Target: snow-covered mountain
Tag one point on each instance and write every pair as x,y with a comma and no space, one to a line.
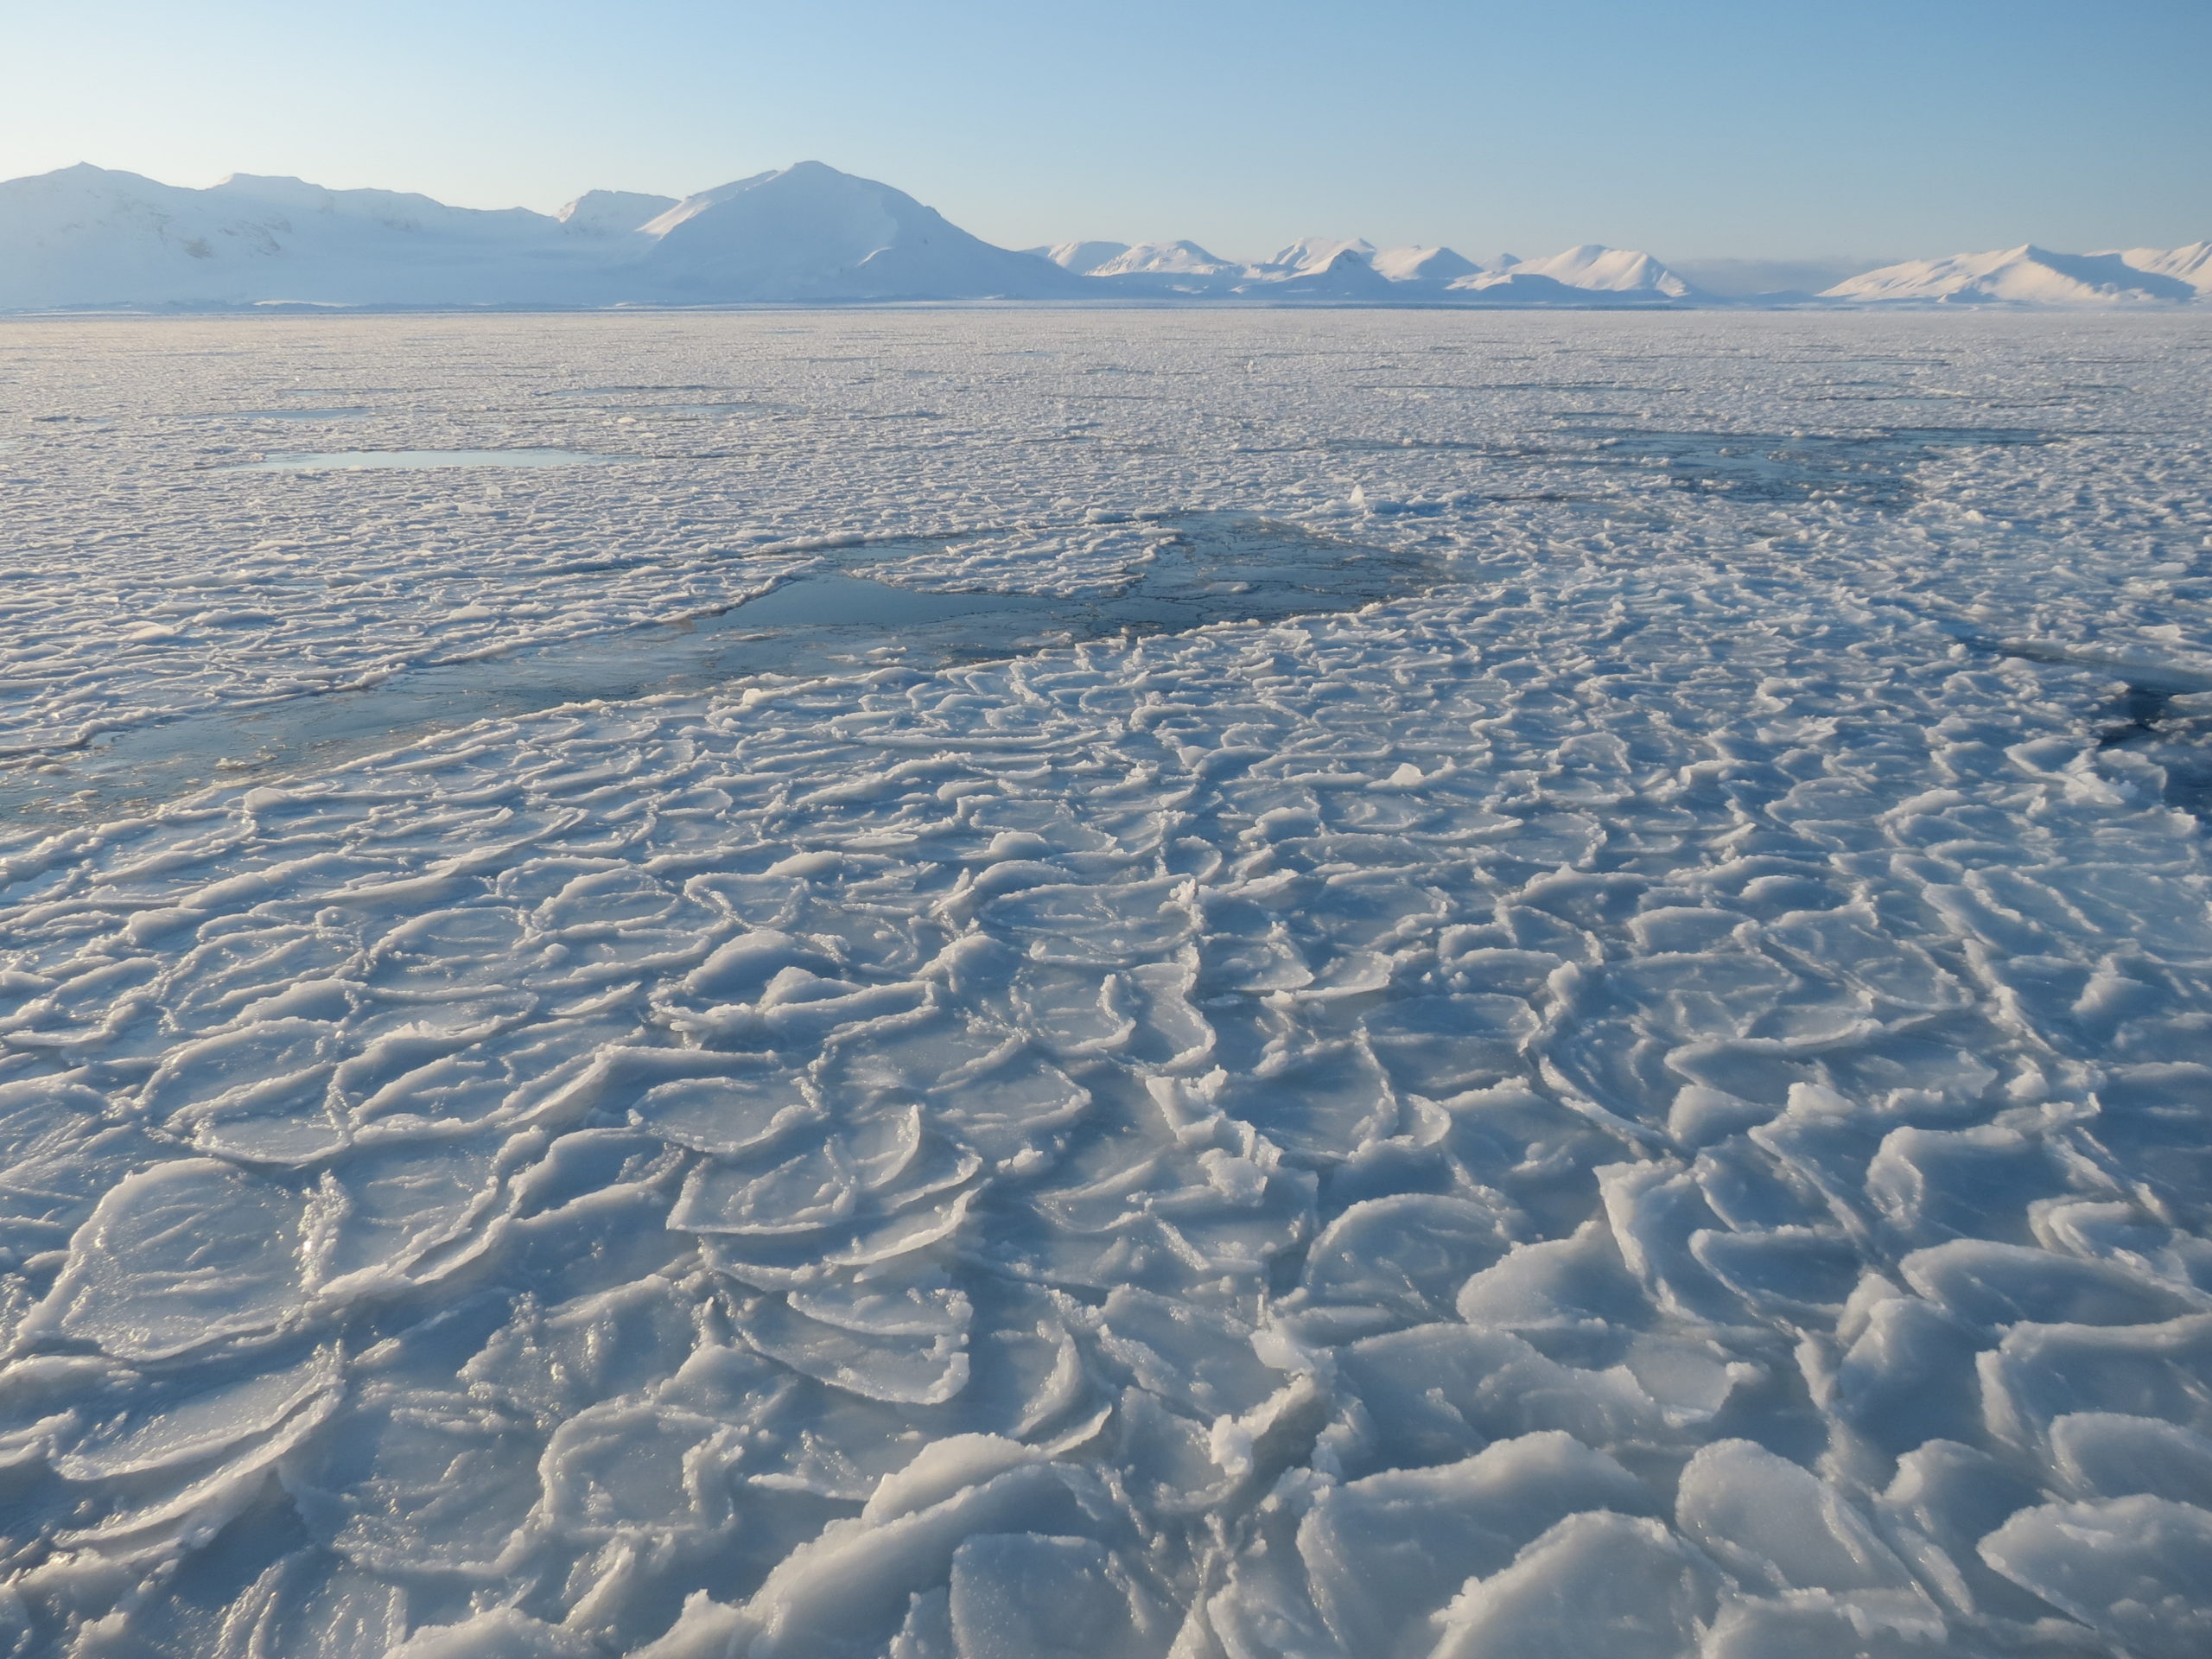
811,232
1311,255
1344,278
1417,264
1610,270
2026,275
1768,282
1519,285
1592,275
1166,258
85,236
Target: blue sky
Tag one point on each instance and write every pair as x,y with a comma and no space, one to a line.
1701,128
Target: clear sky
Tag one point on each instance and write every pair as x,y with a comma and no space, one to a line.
1695,128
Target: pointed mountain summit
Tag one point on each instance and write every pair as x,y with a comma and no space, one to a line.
1167,258
1311,255
2026,275
811,232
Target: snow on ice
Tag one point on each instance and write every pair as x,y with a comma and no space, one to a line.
1450,985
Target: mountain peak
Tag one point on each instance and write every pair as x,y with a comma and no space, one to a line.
1182,258
1423,264
809,231
82,174
1317,253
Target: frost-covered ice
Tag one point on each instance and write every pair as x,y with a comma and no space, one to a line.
1442,985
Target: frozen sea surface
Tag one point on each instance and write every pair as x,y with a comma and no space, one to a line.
1220,986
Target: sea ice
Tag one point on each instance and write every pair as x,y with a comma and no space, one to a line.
1164,984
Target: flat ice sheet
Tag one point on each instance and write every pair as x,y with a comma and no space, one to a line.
1332,984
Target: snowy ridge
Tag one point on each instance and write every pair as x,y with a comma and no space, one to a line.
85,236
1352,271
1610,270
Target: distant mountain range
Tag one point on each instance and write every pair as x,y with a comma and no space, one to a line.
85,238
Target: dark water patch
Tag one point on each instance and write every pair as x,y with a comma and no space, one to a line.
841,601
1897,397
1874,469
2177,740
2142,708
1213,568
2159,712
1870,469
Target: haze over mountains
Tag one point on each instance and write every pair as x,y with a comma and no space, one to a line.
88,238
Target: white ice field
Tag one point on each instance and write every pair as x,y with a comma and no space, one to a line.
1344,985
